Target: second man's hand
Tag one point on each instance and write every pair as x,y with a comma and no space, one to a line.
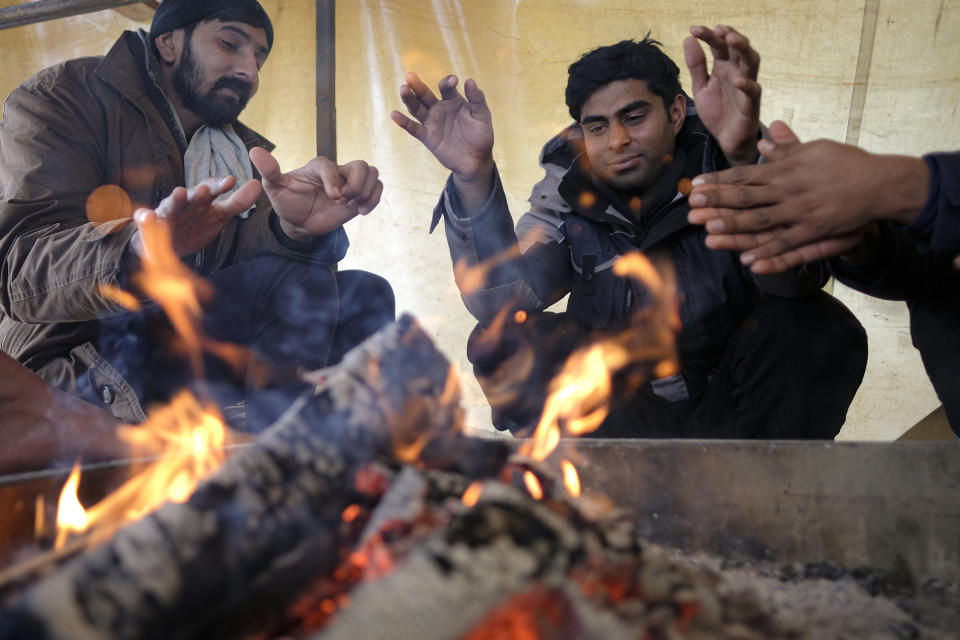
457,129
728,97
320,196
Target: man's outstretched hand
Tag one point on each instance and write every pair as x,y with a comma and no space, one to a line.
811,201
320,196
193,216
728,97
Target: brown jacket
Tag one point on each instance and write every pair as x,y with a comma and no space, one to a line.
66,131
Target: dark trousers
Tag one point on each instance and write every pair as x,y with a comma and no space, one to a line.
290,315
789,372
935,329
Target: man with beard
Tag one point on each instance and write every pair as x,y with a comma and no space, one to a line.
760,357
97,152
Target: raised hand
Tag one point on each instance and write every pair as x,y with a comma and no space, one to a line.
457,129
728,97
193,216
320,196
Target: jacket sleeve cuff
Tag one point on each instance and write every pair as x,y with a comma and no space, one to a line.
450,209
329,248
938,224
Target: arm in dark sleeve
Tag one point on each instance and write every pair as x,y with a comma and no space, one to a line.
893,267
938,226
497,267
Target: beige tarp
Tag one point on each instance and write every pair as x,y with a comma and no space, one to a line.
883,74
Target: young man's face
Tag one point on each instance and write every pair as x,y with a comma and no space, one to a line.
628,136
219,69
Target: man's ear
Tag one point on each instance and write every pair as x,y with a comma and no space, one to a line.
678,112
168,45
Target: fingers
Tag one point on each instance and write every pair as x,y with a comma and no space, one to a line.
760,174
266,164
696,63
329,175
781,133
448,88
813,252
362,187
741,53
241,199
407,125
714,38
414,106
419,90
475,98
372,201
417,97
738,201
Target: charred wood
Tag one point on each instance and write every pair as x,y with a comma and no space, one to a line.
267,521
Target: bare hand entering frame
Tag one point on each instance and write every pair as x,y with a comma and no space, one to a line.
812,201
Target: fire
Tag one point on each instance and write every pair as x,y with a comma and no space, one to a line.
579,399
571,479
188,440
71,516
174,286
472,494
533,485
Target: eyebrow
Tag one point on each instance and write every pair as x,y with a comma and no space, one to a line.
246,36
633,106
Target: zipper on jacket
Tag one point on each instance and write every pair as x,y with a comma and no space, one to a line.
626,308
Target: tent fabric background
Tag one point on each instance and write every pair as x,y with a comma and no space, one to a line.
883,74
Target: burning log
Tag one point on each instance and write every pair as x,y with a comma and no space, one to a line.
266,522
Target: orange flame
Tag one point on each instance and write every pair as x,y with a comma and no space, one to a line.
571,479
176,288
472,494
580,394
188,439
533,485
71,516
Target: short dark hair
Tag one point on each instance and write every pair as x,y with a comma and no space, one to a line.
625,60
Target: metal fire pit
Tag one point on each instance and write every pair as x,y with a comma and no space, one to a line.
892,507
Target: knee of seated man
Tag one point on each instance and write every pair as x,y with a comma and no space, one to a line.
816,326
362,292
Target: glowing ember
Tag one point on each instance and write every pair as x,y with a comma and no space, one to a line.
472,494
350,513
520,316
571,479
71,516
533,485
